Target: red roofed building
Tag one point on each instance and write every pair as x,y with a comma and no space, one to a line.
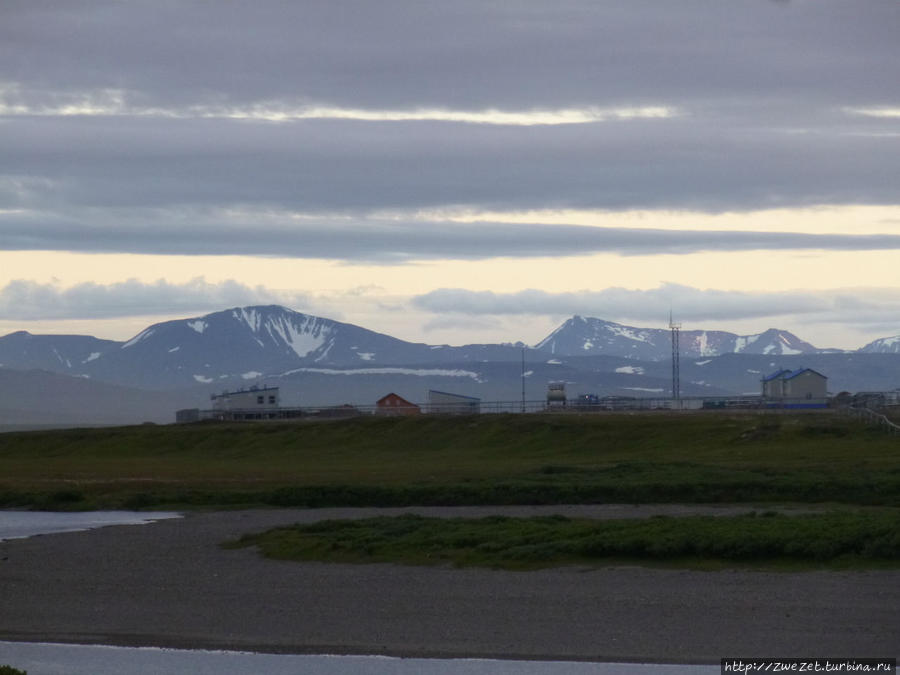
392,404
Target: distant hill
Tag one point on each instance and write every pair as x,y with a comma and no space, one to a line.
240,344
889,345
583,336
36,398
317,361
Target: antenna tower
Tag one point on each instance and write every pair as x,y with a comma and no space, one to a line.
676,374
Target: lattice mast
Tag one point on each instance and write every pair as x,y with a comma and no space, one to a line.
676,366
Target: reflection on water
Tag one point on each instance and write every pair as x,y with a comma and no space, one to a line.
18,524
55,659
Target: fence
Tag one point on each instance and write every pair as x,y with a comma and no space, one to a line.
607,404
871,417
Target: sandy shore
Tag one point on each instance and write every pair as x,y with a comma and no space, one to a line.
171,584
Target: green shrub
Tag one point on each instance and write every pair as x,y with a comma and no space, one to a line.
859,538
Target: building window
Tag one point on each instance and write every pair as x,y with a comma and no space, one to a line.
272,400
260,399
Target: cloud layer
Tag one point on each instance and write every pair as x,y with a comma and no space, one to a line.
349,107
854,305
865,308
369,240
290,129
28,300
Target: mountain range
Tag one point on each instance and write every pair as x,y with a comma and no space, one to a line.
318,361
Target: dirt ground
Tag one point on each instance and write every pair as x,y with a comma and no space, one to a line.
170,584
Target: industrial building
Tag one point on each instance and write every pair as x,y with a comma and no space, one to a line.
445,403
804,388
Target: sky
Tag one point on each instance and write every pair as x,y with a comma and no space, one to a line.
452,172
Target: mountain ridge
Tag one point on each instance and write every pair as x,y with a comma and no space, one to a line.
244,344
580,335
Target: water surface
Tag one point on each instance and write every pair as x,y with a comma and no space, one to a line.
57,659
20,524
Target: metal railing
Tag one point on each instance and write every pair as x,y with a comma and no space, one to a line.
872,417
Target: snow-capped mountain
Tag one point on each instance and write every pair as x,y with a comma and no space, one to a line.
581,336
243,344
319,360
888,345
56,353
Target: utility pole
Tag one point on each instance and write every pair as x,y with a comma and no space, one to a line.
523,379
676,374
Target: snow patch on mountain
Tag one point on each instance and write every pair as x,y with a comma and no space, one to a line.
741,343
888,345
143,335
197,326
419,372
631,370
61,359
629,333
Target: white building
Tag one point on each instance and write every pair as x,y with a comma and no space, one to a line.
255,398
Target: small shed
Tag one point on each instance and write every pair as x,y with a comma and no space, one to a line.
392,404
804,388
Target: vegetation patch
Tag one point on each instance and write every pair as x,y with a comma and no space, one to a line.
715,457
836,539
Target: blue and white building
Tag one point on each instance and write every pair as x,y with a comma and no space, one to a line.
804,388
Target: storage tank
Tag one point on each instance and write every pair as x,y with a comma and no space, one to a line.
556,394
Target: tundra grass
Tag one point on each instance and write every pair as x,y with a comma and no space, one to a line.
832,540
434,460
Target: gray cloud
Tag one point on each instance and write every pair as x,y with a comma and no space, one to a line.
462,54
764,95
390,242
326,166
689,304
28,300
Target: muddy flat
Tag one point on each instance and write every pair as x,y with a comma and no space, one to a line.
169,583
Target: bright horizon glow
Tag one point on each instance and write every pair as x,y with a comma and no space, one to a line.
816,219
884,111
114,103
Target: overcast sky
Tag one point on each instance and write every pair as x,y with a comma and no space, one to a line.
453,171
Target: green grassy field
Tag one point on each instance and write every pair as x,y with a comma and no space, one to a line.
839,540
487,459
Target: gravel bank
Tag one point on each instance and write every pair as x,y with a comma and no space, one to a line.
170,584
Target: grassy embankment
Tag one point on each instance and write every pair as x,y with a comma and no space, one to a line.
488,459
497,459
